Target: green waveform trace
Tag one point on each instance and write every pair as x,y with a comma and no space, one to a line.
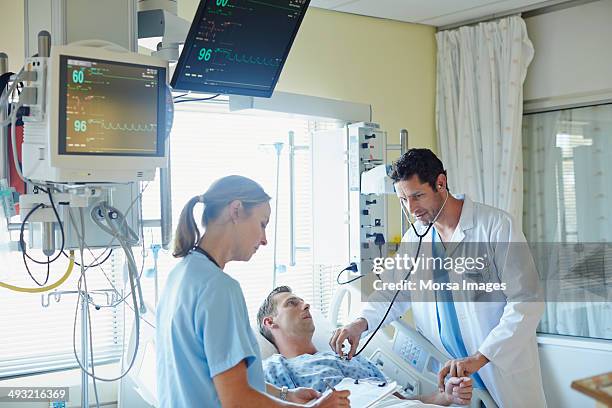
131,127
249,59
272,5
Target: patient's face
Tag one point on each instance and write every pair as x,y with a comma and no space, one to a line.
293,315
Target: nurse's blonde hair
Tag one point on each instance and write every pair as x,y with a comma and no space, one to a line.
215,199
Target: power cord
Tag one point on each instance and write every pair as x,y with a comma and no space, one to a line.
353,268
22,243
110,252
196,99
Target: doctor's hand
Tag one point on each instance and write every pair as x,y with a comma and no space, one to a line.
458,390
352,333
302,395
461,367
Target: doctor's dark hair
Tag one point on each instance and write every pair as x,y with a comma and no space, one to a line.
268,308
422,162
215,199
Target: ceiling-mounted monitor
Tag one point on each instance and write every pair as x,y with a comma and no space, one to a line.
238,46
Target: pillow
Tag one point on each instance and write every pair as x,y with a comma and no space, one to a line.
266,348
322,334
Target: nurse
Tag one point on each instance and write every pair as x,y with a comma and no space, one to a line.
494,341
207,354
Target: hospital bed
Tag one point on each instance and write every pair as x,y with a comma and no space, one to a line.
406,357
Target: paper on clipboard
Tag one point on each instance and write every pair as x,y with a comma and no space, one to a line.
365,393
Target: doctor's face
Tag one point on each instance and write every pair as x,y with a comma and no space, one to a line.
293,315
419,199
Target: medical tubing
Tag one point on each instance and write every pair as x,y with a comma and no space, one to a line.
396,293
103,210
110,282
137,330
123,299
130,255
126,211
46,288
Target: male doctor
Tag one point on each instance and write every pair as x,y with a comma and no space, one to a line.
492,341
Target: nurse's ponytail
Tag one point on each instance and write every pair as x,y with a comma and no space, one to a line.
219,195
187,232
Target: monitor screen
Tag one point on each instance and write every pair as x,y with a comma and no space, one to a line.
111,108
238,46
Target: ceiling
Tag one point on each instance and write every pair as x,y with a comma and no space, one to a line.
431,12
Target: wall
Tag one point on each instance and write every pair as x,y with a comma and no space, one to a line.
573,56
388,64
11,32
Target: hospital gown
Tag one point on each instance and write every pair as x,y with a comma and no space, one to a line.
310,370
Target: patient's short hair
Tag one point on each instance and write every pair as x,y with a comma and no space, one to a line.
268,308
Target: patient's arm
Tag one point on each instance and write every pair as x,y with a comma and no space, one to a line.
457,391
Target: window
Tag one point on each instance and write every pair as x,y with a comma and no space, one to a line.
36,338
568,196
208,142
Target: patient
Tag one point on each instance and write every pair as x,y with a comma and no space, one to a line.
284,319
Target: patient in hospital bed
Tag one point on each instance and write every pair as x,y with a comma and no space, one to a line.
285,320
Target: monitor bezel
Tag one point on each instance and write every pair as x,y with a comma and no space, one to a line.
161,108
227,90
87,162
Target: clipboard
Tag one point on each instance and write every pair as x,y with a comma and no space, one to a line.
364,393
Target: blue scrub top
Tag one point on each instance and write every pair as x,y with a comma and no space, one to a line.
202,330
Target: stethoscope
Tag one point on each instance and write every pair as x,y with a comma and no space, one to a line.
418,251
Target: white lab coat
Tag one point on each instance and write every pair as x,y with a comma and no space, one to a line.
505,332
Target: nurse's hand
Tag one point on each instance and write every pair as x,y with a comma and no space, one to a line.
336,399
302,395
461,367
352,333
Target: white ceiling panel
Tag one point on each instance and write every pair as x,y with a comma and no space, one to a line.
329,4
491,9
408,10
430,12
